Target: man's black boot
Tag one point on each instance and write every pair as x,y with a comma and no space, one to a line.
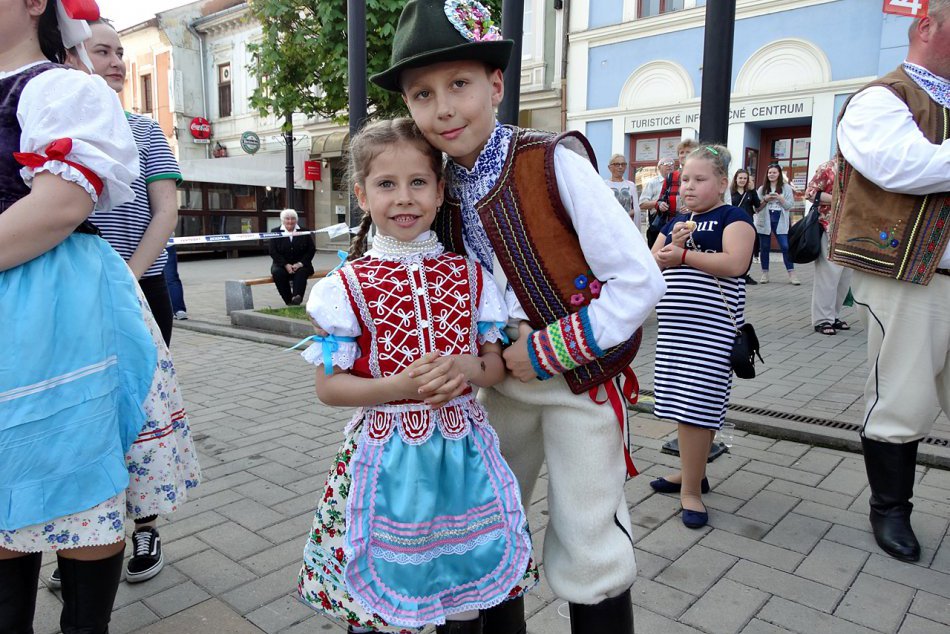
89,589
614,615
505,618
891,470
18,579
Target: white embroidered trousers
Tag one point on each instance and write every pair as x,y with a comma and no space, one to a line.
588,546
908,354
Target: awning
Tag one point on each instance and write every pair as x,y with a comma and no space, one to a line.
330,145
259,169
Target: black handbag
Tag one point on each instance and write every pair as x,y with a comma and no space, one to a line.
804,238
745,345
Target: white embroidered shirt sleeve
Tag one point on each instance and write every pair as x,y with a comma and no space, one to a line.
878,136
613,247
63,103
329,306
492,314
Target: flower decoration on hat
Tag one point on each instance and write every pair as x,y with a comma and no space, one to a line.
473,20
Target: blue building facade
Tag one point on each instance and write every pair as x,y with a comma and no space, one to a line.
635,76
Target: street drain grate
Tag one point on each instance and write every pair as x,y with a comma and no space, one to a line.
812,420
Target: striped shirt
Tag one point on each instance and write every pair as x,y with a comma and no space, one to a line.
124,226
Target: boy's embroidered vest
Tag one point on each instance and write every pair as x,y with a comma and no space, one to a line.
901,236
535,242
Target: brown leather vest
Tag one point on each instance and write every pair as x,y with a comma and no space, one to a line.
536,245
901,236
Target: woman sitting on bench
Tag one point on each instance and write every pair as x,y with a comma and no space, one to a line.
293,256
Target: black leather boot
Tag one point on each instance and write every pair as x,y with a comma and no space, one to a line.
18,579
89,589
461,627
613,615
891,471
505,618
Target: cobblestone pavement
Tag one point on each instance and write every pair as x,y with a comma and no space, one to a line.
788,547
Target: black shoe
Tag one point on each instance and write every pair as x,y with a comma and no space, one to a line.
505,618
461,627
614,615
18,592
891,468
89,589
662,485
694,519
749,281
296,300
147,559
55,581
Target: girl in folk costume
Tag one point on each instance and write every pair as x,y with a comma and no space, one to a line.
84,369
421,521
703,255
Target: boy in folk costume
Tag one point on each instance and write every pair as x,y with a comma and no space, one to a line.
530,207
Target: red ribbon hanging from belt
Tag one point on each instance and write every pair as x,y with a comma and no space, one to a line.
631,393
57,151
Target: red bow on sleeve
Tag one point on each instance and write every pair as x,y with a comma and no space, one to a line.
57,151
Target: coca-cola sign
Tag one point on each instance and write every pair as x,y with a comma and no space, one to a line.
200,128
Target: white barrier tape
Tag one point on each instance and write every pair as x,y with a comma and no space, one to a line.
332,231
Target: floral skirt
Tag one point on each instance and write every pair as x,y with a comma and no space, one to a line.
162,463
323,585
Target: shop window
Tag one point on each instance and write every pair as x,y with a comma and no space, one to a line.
233,224
649,8
224,90
189,196
232,197
147,94
273,199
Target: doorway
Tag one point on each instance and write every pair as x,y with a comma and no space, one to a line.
789,147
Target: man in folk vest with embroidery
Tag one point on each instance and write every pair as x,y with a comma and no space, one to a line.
580,280
890,224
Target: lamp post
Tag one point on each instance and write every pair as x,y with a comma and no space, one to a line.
717,70
512,28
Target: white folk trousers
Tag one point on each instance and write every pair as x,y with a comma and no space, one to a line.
908,353
588,545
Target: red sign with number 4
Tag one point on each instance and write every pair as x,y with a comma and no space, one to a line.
911,8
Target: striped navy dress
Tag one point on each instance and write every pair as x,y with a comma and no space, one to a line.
693,377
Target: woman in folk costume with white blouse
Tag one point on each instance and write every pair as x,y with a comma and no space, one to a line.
84,367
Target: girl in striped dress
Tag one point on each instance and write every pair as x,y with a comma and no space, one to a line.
703,254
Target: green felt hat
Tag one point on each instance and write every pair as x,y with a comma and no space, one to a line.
433,31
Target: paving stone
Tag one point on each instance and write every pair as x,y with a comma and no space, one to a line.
250,514
783,584
47,611
875,603
660,598
649,565
191,525
797,532
131,619
176,599
279,614
918,577
644,620
210,486
917,625
671,539
757,626
265,492
833,515
931,607
263,590
740,525
725,608
129,593
806,492
785,473
234,540
206,503
215,571
941,560
179,549
697,570
208,617
317,623
805,620
768,507
742,485
655,510
833,564
790,448
752,550
276,557
845,480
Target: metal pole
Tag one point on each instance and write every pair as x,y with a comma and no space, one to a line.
717,70
356,60
289,161
512,28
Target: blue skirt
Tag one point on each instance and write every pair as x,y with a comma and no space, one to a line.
77,366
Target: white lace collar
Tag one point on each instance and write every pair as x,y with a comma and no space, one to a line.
388,248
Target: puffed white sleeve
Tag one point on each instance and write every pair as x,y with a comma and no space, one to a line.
329,307
492,314
62,104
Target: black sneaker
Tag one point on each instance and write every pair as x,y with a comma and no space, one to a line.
55,581
147,559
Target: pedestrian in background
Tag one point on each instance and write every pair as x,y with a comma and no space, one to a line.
669,194
176,292
703,254
292,259
650,197
624,190
776,199
888,224
745,197
832,281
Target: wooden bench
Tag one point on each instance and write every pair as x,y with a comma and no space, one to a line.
238,296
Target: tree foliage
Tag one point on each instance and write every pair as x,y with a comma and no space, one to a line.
305,44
